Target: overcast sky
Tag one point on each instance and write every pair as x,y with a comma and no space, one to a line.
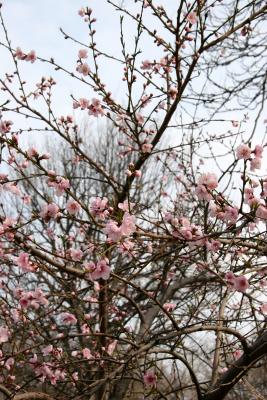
34,24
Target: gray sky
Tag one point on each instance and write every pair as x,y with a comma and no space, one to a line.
34,24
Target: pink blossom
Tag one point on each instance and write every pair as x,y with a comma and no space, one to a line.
258,151
126,206
75,376
231,214
9,363
173,92
99,207
49,211
68,318
202,193
23,262
238,283
255,163
19,54
113,231
249,194
146,147
31,56
241,284
186,233
83,69
101,270
95,108
81,12
139,118
84,103
126,247
230,278
75,254
32,152
145,100
169,306
263,308
128,224
5,126
192,18
83,53
87,353
213,245
243,152
85,329
61,185
73,207
209,180
261,212
150,378
4,335
146,65
31,299
47,350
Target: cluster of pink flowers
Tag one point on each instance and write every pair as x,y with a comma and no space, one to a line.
206,183
47,371
8,363
24,263
83,68
49,211
83,53
213,245
99,207
43,86
115,232
99,270
169,307
7,224
68,318
33,153
32,299
126,206
20,55
192,18
257,203
94,106
238,283
75,254
146,148
183,229
67,121
5,126
163,63
73,207
228,214
244,152
126,248
59,183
